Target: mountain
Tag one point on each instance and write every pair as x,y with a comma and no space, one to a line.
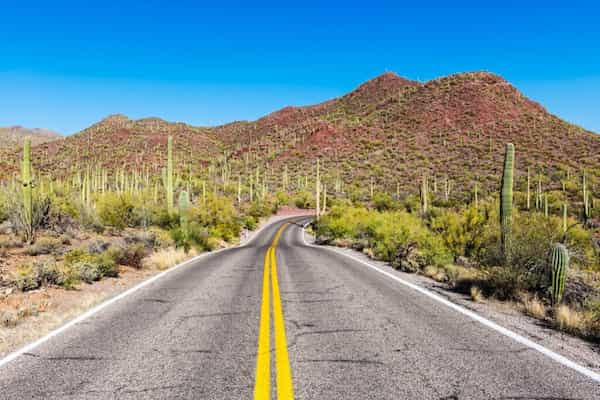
390,129
13,136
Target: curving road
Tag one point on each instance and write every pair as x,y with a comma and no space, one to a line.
342,331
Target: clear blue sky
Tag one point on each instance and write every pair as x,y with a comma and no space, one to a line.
65,65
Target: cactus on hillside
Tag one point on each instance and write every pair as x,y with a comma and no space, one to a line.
586,206
564,209
27,181
559,263
318,194
184,202
169,175
528,189
506,202
423,195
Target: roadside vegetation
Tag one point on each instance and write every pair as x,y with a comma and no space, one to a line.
96,223
462,245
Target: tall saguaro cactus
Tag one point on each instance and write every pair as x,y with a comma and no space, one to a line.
184,203
169,178
559,263
27,180
506,202
318,194
586,205
424,189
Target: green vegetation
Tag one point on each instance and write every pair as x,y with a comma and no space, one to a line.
486,248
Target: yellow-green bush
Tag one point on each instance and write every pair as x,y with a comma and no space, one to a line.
119,210
462,231
398,237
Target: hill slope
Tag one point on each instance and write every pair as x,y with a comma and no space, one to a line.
390,129
13,136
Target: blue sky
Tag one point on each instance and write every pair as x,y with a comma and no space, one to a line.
65,65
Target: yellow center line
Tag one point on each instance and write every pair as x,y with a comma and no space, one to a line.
262,387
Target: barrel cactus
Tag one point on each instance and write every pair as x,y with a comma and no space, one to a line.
559,263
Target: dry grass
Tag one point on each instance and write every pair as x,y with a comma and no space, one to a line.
570,320
435,273
533,307
476,294
166,258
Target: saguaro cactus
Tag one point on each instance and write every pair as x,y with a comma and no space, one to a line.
559,263
528,189
506,202
169,178
564,209
184,202
424,189
586,206
27,180
318,189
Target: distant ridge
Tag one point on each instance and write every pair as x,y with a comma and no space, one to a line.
12,136
389,129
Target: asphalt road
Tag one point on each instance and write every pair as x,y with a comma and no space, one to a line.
349,332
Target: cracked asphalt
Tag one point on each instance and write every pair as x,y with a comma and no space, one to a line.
351,334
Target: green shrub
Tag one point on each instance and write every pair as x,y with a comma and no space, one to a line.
384,202
104,264
119,210
462,231
45,245
130,255
249,222
398,237
304,200
282,199
40,273
220,217
87,272
197,237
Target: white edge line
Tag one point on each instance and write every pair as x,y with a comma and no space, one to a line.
27,348
492,325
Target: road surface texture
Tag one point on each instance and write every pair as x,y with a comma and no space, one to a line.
332,329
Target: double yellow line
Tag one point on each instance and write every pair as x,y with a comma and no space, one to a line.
262,385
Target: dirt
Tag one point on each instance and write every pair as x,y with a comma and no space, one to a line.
27,316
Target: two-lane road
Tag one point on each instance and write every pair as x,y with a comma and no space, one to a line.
332,329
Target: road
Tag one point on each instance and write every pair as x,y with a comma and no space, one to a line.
326,327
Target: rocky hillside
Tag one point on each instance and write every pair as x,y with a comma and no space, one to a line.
13,136
389,129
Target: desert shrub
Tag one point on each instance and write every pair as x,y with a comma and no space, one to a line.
40,273
130,254
162,238
104,264
46,245
119,210
249,222
398,237
219,217
197,237
3,207
16,212
87,272
282,199
462,231
161,217
383,202
304,200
